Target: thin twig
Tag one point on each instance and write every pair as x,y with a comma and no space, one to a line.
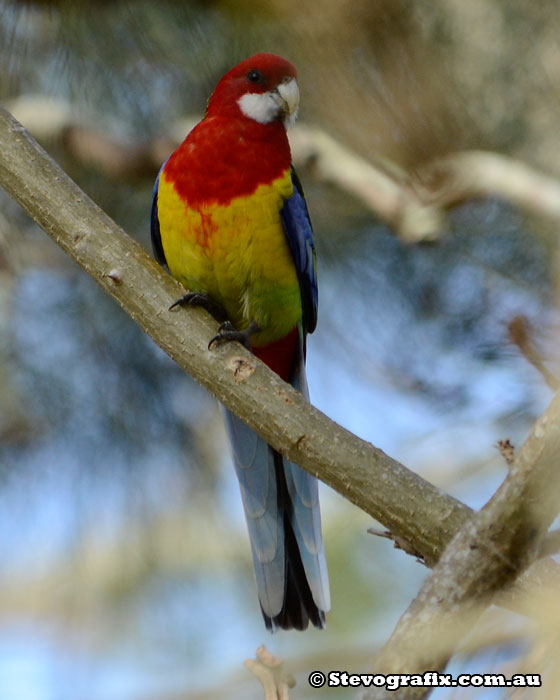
520,333
398,542
269,670
507,450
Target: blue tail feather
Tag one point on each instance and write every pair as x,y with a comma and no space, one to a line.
282,511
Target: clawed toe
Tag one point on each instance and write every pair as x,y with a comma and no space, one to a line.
227,332
203,300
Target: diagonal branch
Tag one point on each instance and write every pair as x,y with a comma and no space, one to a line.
372,480
486,556
413,509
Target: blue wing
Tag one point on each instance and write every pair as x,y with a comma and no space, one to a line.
157,245
297,226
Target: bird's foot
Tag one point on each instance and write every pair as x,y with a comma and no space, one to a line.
203,300
227,332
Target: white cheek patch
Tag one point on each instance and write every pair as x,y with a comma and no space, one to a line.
262,107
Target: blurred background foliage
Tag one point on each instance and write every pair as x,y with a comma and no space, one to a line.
126,569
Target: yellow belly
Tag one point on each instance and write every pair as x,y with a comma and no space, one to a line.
238,254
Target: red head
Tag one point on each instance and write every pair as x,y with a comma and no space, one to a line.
241,143
262,87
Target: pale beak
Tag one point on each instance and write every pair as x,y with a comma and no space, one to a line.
289,93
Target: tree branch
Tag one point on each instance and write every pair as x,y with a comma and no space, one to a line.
363,474
381,191
461,176
414,205
486,555
377,189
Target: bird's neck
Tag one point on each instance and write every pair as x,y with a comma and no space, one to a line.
223,158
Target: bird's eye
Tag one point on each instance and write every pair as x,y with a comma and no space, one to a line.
254,76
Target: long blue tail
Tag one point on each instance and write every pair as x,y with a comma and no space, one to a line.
281,503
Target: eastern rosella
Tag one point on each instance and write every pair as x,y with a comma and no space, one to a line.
230,222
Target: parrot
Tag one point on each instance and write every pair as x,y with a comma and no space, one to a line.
230,222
